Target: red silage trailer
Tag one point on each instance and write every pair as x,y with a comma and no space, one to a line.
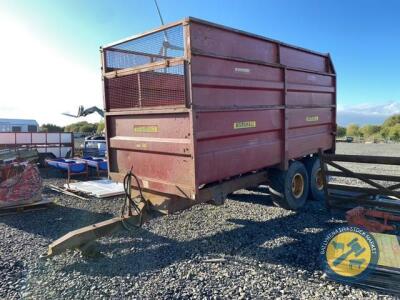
199,110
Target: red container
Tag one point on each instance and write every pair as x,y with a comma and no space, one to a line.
195,103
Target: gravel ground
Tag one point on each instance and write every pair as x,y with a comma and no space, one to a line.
246,248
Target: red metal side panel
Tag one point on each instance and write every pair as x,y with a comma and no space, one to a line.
310,112
301,59
221,97
226,93
157,147
220,83
309,99
308,89
307,78
307,140
309,130
217,41
223,151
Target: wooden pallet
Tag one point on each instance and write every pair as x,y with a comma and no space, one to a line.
10,210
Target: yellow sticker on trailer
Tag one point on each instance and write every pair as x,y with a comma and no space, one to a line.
245,124
312,118
145,128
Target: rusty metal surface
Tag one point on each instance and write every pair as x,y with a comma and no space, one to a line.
369,219
159,87
246,103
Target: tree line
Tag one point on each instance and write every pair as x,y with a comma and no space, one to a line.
389,130
83,126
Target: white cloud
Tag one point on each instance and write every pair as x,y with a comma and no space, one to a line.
39,81
367,113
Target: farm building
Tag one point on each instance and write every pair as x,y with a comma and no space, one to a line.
18,125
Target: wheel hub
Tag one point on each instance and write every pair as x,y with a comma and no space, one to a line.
319,183
298,185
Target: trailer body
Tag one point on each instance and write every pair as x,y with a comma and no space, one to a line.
194,104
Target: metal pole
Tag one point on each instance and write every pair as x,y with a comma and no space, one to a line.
159,12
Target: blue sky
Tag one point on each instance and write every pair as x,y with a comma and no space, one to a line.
363,38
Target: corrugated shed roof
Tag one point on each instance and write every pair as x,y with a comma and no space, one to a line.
18,121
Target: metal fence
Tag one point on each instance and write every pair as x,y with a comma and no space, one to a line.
160,45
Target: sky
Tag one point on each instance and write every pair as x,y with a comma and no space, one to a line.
51,64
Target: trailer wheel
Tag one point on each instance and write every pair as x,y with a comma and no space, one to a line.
313,166
218,196
218,200
289,189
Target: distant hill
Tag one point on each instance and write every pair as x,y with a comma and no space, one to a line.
366,113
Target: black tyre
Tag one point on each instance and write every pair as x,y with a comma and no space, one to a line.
218,200
43,157
218,196
313,166
289,189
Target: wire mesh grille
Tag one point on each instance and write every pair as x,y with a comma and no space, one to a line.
154,47
160,87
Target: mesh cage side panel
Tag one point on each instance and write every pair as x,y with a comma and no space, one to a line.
160,87
154,47
122,92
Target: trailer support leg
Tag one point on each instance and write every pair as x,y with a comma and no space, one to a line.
83,236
